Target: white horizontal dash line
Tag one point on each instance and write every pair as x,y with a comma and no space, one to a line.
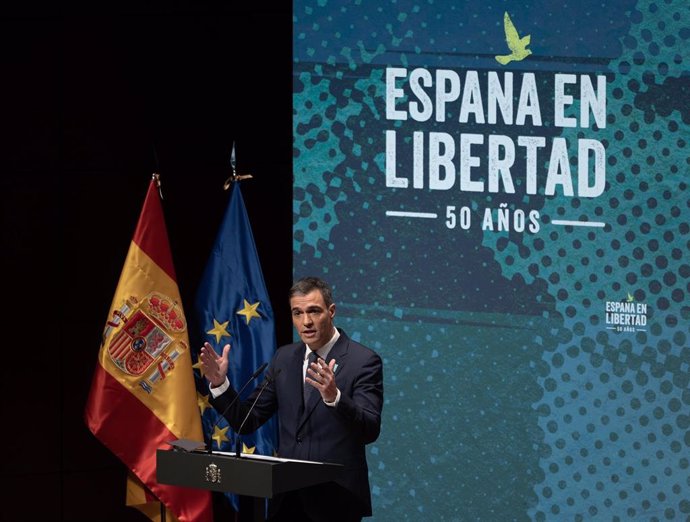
597,224
400,213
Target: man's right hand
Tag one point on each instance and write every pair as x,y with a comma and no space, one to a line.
214,366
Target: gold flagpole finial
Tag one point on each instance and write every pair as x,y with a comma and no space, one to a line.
157,179
234,178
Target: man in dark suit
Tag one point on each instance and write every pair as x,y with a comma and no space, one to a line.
328,410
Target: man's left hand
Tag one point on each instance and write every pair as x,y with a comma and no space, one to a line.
321,377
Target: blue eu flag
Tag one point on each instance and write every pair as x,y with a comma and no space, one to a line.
232,306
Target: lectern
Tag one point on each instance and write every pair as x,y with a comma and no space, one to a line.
249,475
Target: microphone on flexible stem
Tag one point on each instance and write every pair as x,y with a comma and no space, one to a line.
254,375
263,387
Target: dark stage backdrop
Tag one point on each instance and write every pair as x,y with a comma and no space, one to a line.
89,93
510,231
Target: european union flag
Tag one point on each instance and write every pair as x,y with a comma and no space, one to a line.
232,306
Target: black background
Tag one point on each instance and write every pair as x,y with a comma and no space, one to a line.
95,99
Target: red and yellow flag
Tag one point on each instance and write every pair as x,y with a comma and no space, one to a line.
143,393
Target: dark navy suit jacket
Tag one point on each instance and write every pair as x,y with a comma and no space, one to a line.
316,431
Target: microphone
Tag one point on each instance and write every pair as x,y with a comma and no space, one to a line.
254,375
268,380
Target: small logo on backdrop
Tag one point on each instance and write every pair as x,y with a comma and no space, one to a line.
626,315
146,338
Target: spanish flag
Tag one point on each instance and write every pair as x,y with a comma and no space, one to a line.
143,393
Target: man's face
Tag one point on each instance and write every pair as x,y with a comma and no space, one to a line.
312,319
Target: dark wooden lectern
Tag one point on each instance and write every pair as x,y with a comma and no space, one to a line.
248,475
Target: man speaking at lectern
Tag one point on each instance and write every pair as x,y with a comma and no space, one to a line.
328,393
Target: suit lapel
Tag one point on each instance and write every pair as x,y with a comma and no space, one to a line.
295,382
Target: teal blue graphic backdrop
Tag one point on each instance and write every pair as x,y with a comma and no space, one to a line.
498,193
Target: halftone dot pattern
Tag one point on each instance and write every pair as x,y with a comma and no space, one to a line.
589,426
617,398
315,196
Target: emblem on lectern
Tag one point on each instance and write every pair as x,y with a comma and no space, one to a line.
213,473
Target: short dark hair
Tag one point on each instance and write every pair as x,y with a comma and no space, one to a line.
308,284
